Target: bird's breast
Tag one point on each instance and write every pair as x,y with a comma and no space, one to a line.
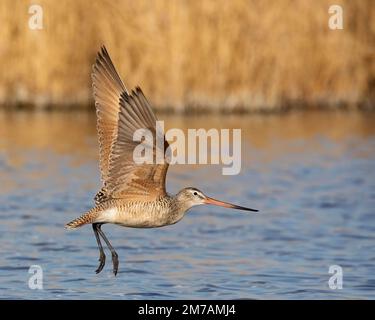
140,214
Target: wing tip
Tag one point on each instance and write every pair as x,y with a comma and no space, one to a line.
103,64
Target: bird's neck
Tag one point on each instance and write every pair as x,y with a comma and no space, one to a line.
177,209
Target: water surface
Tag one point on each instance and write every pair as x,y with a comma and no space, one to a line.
310,174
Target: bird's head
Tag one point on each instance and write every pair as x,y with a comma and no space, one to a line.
190,197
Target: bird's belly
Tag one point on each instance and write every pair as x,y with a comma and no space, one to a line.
134,218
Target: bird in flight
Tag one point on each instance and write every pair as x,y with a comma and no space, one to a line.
132,194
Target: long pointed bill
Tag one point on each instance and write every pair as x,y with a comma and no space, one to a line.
226,204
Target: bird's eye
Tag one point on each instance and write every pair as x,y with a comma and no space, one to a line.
195,193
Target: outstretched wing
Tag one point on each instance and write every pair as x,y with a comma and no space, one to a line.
128,178
108,88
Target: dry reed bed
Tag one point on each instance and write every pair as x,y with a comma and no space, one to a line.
222,55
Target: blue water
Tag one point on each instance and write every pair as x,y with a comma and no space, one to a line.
313,181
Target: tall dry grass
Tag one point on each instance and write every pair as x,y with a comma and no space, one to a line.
210,54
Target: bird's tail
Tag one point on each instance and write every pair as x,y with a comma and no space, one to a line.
88,217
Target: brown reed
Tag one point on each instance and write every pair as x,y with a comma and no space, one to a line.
191,55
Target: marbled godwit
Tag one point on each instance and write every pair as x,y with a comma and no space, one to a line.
133,195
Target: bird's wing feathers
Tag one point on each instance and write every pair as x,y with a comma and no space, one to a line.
119,115
127,178
107,87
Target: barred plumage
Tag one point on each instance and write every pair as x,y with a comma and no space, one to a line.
101,196
86,218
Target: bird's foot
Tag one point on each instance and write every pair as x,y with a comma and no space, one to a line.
115,262
102,263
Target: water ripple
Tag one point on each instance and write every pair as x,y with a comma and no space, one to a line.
315,192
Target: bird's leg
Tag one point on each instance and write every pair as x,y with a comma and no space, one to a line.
96,227
113,252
